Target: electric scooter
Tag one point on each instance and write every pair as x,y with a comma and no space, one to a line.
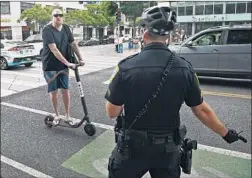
89,128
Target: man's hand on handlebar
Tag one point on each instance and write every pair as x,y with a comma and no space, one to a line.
233,136
72,65
82,63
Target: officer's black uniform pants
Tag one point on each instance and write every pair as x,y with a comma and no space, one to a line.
151,158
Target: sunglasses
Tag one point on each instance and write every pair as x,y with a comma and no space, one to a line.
58,15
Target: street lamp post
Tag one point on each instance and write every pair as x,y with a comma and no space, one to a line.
119,20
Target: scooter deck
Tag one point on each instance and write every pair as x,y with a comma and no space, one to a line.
64,123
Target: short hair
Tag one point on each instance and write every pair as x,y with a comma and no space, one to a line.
153,36
56,11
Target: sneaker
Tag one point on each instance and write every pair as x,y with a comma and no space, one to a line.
56,120
72,121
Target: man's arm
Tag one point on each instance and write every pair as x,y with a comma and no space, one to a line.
208,117
113,110
200,108
76,50
58,54
115,95
49,40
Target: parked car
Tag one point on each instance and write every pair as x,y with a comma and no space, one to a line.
126,38
107,39
37,42
223,51
91,42
15,53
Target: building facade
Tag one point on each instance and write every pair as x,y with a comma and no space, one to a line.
13,29
197,16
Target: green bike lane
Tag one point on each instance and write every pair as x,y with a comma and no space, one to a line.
63,152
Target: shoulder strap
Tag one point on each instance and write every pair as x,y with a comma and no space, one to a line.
67,29
154,94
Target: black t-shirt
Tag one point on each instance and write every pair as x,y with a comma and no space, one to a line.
60,38
137,77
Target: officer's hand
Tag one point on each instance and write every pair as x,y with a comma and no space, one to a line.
231,136
82,63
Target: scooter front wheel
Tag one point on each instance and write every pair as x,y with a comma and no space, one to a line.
89,129
48,121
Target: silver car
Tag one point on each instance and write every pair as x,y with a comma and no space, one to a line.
223,52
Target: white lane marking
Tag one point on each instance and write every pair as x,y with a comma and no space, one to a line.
23,168
6,92
216,172
106,82
109,127
23,83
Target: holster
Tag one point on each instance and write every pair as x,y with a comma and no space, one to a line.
180,134
186,151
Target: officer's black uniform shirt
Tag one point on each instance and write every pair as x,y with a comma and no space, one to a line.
137,77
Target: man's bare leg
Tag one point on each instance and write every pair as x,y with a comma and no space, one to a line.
54,99
66,101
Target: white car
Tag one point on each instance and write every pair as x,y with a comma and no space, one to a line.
126,38
15,53
37,42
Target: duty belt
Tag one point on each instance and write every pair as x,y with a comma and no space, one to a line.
150,137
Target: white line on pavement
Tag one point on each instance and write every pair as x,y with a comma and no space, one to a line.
215,172
109,127
24,168
6,92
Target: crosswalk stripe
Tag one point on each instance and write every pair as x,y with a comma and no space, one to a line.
32,77
23,83
6,92
21,73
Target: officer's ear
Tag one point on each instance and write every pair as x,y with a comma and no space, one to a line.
145,36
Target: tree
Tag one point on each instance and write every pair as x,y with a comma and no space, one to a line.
36,15
108,9
134,9
96,12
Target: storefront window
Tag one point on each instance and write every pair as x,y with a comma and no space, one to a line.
199,10
25,5
208,9
249,7
189,10
181,11
174,9
218,9
25,32
6,33
230,8
240,8
69,9
5,7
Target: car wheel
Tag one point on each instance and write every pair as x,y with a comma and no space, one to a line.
28,64
3,63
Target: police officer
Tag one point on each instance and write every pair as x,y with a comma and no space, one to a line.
152,142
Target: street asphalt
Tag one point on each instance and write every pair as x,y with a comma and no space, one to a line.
26,139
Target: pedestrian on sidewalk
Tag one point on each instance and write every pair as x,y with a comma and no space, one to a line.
120,45
116,42
58,40
145,94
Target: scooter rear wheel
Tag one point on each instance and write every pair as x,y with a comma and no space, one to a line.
48,121
90,129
